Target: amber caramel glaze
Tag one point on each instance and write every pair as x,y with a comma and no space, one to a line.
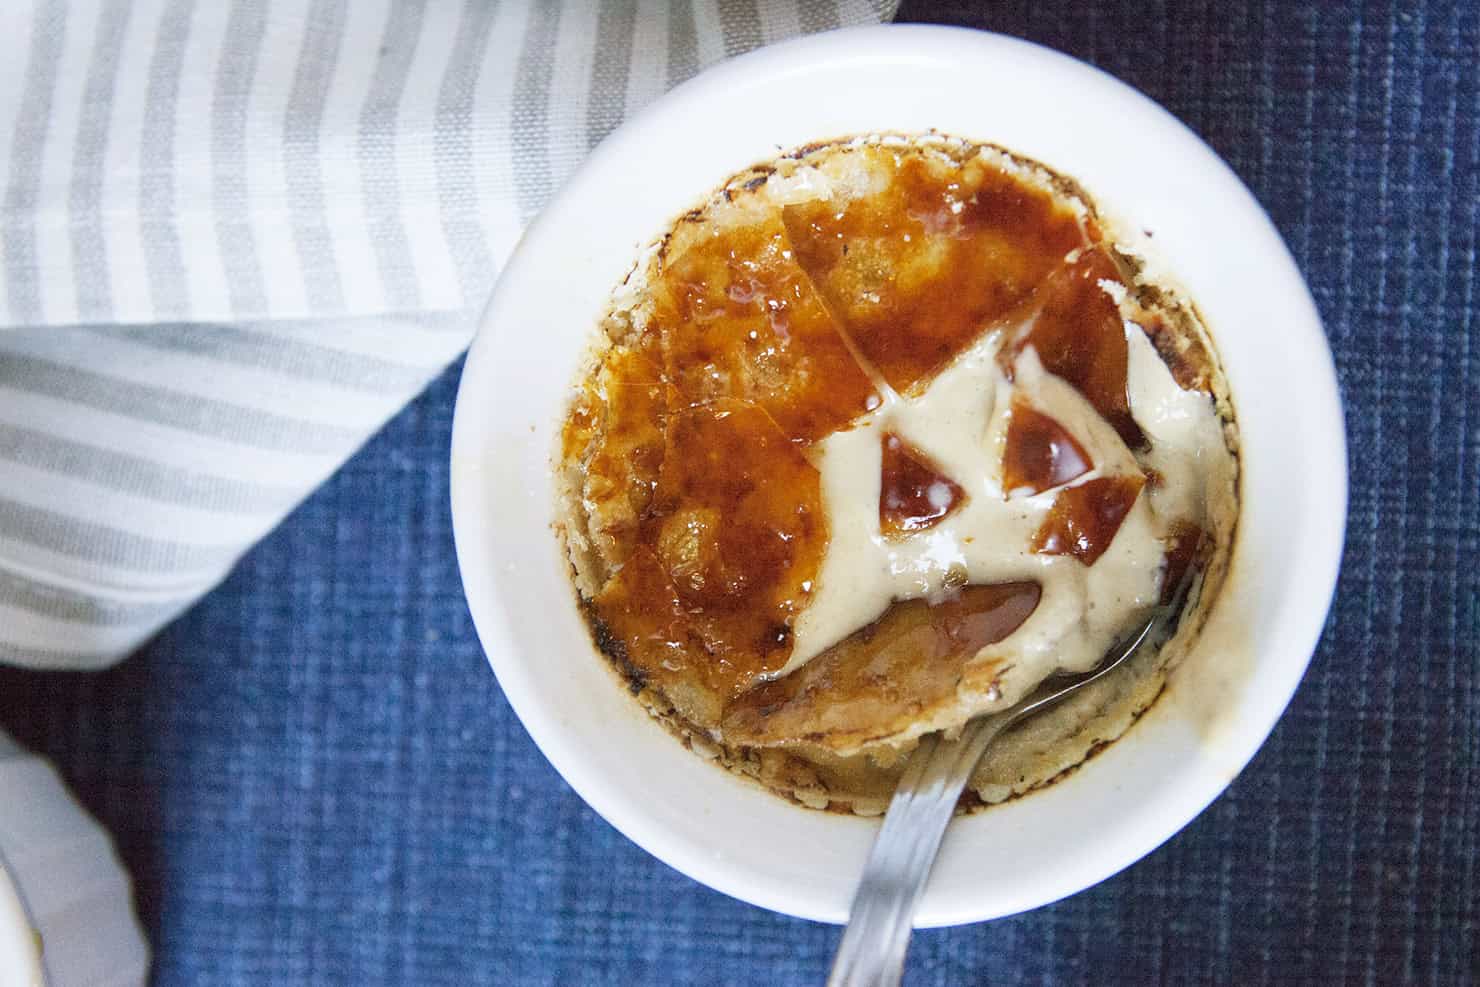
915,271
722,560
692,432
740,319
1186,544
887,676
913,495
647,625
626,446
738,526
1039,453
1083,519
1079,335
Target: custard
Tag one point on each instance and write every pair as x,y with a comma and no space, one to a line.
878,438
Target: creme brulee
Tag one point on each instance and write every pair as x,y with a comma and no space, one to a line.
879,437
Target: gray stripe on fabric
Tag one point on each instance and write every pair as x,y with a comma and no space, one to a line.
740,23
302,126
89,250
452,152
683,43
76,661
379,183
162,256
885,10
608,102
139,477
209,417
28,143
89,541
819,15
289,357
246,27
530,124
55,603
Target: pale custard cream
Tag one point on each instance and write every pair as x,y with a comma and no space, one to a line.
882,436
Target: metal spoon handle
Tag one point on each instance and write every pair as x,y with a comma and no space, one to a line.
871,953
872,950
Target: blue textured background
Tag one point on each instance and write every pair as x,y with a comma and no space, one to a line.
315,778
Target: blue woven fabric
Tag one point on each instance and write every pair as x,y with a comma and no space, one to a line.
316,780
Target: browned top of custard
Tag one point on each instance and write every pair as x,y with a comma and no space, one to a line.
913,495
914,272
769,334
884,676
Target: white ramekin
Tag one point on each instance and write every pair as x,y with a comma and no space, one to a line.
1141,166
66,903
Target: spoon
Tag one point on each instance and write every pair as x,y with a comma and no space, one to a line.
871,953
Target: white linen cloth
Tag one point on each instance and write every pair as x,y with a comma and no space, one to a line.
236,237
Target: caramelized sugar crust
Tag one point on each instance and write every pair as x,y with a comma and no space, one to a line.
917,269
721,557
1083,519
1039,453
888,676
764,329
768,331
1187,548
738,526
740,319
1080,336
913,495
620,421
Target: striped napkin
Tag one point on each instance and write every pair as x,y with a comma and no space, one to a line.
236,237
